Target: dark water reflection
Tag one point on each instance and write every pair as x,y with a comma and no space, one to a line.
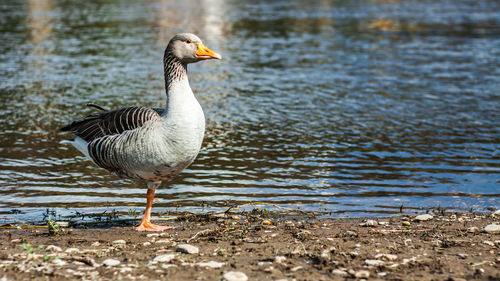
350,107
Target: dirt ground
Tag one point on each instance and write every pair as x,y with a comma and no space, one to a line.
449,246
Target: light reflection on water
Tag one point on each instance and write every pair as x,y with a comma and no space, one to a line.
353,107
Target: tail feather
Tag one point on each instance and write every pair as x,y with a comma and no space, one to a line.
79,144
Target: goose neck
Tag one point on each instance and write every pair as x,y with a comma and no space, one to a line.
175,71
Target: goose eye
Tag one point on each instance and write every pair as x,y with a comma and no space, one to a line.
188,41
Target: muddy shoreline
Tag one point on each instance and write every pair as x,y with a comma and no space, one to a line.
444,246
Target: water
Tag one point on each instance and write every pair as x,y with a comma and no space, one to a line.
344,107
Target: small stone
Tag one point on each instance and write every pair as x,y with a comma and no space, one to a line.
125,269
211,264
167,266
383,222
164,258
362,274
59,262
489,243
152,235
387,257
339,272
74,272
370,223
15,241
492,228
119,242
236,218
374,262
382,274
462,255
147,243
95,244
53,248
72,251
496,214
111,262
457,279
267,222
296,268
405,223
187,249
351,233
235,276
472,229
163,241
269,269
424,217
279,259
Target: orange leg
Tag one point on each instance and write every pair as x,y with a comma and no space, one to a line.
146,224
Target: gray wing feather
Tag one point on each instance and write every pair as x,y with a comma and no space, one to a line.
100,124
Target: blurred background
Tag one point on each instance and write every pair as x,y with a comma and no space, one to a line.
348,108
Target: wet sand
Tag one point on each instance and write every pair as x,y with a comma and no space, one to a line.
448,246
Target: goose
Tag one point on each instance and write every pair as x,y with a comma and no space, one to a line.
150,144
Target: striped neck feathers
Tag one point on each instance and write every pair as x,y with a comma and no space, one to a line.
175,70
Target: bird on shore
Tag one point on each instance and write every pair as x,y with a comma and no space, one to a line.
150,144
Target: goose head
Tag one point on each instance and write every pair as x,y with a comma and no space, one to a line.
188,48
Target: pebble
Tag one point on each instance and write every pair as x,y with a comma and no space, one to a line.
187,249
489,243
125,269
362,274
492,228
388,257
59,262
339,272
152,235
472,229
279,259
72,251
235,276
370,223
351,233
374,262
424,217
406,223
163,241
211,264
53,248
266,222
164,258
111,262
15,241
119,242
296,268
462,255
95,244
496,214
147,243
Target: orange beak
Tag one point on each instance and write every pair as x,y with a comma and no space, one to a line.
205,53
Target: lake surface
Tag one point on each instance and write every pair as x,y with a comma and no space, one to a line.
350,108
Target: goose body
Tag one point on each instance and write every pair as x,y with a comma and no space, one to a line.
151,144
